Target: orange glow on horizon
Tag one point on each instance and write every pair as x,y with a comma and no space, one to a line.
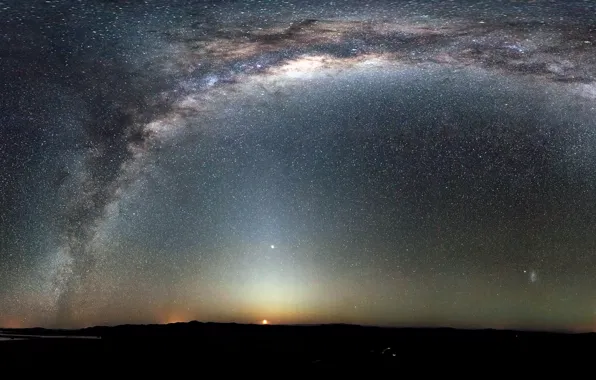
265,322
176,318
12,324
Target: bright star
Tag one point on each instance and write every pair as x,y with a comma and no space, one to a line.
272,246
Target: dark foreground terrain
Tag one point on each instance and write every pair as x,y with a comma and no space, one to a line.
232,347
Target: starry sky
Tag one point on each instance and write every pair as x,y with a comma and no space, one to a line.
393,163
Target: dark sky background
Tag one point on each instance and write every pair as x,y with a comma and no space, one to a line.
298,162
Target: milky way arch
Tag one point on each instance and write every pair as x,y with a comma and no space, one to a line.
194,67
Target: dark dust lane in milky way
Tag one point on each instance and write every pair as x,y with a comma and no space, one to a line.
396,163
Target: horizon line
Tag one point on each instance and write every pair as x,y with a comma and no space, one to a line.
269,324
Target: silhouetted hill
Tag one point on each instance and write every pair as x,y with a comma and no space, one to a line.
256,346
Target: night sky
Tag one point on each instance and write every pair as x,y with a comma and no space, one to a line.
394,163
